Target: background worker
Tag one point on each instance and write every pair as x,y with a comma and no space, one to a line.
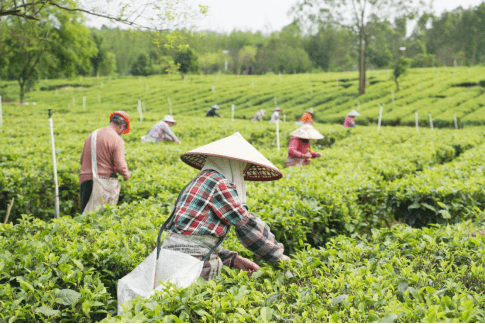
212,112
215,200
258,116
307,118
299,152
161,131
275,116
98,180
349,120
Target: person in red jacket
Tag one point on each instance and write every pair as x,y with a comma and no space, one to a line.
299,152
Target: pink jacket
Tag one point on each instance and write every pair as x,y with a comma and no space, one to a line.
296,149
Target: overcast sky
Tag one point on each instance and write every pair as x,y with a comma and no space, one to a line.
267,15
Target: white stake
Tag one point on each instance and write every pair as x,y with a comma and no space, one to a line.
1,113
139,110
358,105
337,82
51,126
214,89
380,118
232,109
279,75
416,118
456,121
84,102
284,118
170,106
430,121
143,105
57,92
277,134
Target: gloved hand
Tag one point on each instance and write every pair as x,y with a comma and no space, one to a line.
245,265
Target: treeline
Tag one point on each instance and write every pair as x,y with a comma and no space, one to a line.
454,38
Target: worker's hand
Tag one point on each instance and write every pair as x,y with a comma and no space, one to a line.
245,265
307,155
318,154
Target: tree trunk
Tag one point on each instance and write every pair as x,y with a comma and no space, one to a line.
397,84
361,62
21,84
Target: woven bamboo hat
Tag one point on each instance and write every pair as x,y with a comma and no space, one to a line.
353,113
307,132
237,148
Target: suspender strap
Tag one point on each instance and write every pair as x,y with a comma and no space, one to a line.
94,160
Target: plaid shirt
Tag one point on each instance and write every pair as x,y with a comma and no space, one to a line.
209,205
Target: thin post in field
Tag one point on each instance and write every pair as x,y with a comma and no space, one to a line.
53,145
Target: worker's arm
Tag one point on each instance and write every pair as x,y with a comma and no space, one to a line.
293,149
251,231
119,159
169,134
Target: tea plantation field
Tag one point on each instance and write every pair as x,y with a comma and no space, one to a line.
386,226
443,92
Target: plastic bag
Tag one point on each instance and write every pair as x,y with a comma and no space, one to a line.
175,267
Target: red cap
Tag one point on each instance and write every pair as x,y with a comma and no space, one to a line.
125,117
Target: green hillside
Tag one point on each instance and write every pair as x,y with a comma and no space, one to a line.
441,92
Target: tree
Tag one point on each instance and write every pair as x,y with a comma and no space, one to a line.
141,66
104,62
400,68
187,59
54,46
154,15
359,16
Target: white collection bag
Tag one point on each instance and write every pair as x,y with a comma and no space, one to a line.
161,266
105,190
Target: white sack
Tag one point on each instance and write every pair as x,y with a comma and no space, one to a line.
175,267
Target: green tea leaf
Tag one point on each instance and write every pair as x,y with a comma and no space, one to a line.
337,300
67,297
46,310
266,314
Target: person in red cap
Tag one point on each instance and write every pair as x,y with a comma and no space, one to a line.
102,158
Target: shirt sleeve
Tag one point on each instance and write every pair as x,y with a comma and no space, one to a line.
119,160
256,236
293,148
170,134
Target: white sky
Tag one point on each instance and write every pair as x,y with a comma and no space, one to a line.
266,15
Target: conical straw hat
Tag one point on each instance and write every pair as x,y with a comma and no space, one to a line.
310,111
353,113
237,148
307,132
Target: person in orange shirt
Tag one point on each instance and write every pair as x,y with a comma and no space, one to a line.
307,117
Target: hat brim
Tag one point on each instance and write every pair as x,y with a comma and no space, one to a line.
256,172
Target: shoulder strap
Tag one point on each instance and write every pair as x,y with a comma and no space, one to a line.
169,219
94,160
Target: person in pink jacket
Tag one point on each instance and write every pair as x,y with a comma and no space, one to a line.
299,152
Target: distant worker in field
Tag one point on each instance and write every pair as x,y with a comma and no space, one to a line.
307,118
259,115
215,200
276,115
212,112
299,152
161,131
102,158
349,120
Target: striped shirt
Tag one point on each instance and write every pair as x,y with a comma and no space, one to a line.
209,205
